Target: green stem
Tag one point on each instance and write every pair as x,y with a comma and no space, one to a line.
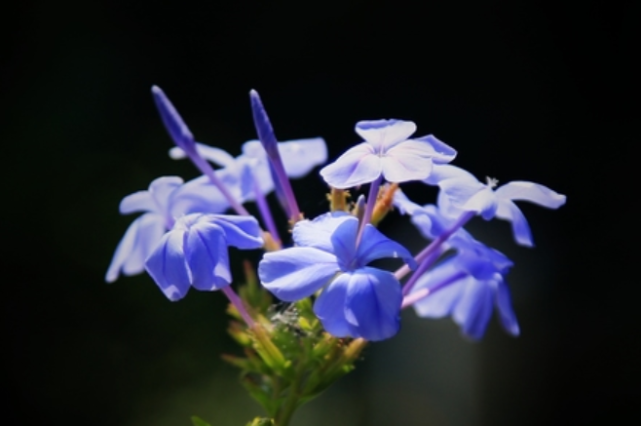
285,412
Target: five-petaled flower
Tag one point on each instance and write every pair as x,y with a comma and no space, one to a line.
194,252
468,286
463,192
389,153
356,300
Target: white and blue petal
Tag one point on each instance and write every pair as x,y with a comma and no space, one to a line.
441,152
408,160
520,228
295,273
532,192
138,242
155,199
318,232
357,166
384,134
210,153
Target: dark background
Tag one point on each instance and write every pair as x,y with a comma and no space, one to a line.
526,91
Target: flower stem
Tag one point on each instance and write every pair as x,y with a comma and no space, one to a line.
238,304
265,212
422,268
435,244
208,171
424,292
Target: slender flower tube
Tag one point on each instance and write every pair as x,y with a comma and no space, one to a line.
183,138
268,140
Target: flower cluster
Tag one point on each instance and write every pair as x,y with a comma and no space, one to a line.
183,235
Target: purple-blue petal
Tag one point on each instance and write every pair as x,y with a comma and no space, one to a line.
520,228
330,307
474,309
373,304
374,245
263,126
207,257
167,266
295,273
505,310
242,232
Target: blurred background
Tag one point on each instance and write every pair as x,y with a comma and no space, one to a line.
525,90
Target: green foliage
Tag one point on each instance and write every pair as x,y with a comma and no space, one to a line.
197,421
288,359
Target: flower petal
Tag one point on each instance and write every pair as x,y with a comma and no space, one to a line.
442,152
357,166
135,246
504,307
440,303
520,228
295,273
317,233
483,202
474,309
151,228
330,307
532,192
156,199
384,134
373,304
408,160
447,171
167,266
374,245
302,155
210,153
242,232
207,257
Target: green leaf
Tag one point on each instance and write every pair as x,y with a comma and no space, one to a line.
197,421
261,422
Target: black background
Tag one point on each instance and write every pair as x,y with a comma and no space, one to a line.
523,90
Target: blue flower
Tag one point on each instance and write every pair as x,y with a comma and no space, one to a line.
299,157
166,199
357,300
430,220
468,286
387,152
463,192
194,252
